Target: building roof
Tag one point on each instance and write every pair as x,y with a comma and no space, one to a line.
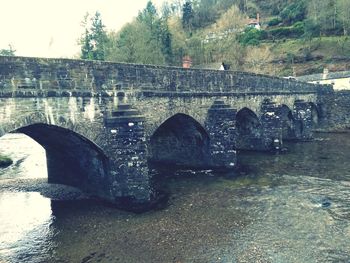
253,21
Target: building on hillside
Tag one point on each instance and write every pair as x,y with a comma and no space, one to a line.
254,22
340,79
215,36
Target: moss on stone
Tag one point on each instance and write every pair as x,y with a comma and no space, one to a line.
5,161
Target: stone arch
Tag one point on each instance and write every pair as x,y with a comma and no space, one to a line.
180,140
248,129
72,159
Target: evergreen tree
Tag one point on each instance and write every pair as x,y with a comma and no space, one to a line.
166,42
98,37
86,47
149,16
94,40
159,34
187,15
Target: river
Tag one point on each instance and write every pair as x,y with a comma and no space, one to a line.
292,207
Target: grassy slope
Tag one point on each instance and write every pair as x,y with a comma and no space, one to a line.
311,56
306,57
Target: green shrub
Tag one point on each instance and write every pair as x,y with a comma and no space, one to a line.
274,21
252,36
296,30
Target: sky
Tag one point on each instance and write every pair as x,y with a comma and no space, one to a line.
51,28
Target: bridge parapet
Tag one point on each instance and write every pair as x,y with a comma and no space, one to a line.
33,74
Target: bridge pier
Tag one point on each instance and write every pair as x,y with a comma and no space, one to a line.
221,126
271,126
303,116
130,178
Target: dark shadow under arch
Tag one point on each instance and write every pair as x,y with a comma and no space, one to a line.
315,115
71,158
248,129
180,140
290,127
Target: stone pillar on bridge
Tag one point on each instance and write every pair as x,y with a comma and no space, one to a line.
303,116
271,126
130,182
221,126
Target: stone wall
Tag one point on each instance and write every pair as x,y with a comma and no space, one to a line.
337,109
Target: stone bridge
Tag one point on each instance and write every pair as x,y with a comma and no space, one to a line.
103,123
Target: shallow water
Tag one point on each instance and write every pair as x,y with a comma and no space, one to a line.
292,207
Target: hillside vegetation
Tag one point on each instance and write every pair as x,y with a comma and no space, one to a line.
296,37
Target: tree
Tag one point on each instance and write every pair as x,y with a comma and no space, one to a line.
257,59
148,16
205,12
187,16
227,50
324,15
166,41
293,12
93,42
242,4
157,35
273,7
98,37
178,42
7,52
86,46
135,43
344,6
166,10
232,19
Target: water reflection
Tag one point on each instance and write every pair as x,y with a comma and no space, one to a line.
25,231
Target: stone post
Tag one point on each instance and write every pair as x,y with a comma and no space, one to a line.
271,126
130,182
303,116
221,126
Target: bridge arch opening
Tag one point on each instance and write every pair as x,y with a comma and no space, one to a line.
290,127
315,115
181,141
248,129
71,158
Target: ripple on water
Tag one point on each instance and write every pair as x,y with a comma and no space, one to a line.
289,208
292,225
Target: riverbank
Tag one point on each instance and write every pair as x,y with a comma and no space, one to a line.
57,192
